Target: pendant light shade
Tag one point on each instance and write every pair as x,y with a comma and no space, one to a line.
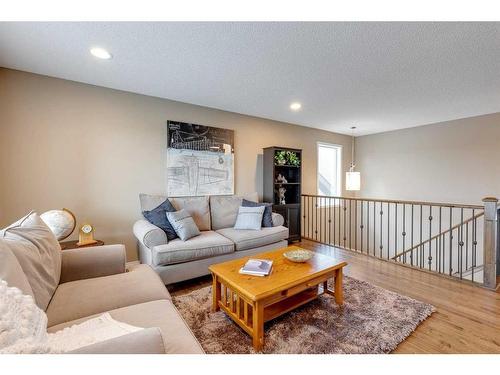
352,178
352,181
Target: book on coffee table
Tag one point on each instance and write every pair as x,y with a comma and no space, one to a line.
257,267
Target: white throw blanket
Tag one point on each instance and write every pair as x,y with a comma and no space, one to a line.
23,327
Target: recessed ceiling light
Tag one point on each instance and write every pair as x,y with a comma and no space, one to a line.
295,106
100,53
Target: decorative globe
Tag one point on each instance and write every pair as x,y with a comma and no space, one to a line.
61,222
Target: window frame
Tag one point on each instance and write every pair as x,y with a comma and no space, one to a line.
339,149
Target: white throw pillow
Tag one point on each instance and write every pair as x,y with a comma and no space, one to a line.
39,254
183,224
23,327
249,218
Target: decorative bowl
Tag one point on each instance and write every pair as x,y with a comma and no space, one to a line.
298,255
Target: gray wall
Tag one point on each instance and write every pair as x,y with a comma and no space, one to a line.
93,150
454,162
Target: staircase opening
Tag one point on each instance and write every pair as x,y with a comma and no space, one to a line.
453,240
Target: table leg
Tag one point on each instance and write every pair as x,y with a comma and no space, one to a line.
215,293
339,292
258,326
325,286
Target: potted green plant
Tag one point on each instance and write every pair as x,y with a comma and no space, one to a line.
280,157
292,158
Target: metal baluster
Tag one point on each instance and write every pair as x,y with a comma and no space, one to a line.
311,218
466,246
436,249
440,257
421,249
381,215
306,211
361,226
350,224
430,238
404,233
411,252
474,243
450,266
461,243
388,228
368,227
334,220
329,220
356,225
340,210
322,218
345,209
395,228
374,226
304,199
316,215
308,217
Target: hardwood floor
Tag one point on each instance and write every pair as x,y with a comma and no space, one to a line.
467,319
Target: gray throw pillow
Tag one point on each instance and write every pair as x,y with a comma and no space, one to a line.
183,224
267,217
249,218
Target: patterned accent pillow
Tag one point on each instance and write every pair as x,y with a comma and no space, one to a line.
158,216
267,217
183,223
249,218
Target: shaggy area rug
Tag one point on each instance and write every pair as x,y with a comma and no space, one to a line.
372,320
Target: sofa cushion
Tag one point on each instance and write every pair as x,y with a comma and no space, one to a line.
176,335
77,299
248,239
207,244
183,224
39,254
150,201
197,207
224,209
11,271
158,216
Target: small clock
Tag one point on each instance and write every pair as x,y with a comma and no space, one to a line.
86,235
87,228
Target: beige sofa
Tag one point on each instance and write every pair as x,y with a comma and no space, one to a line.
215,216
95,280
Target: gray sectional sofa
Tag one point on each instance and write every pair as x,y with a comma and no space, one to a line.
215,216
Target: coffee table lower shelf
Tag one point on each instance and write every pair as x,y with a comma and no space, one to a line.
251,315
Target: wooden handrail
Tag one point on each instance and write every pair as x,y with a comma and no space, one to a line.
434,204
438,235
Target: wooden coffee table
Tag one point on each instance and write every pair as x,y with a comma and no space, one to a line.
252,300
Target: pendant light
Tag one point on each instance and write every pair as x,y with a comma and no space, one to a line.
352,178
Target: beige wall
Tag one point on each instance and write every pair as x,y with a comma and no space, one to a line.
93,150
455,161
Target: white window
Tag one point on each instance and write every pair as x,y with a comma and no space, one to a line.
329,169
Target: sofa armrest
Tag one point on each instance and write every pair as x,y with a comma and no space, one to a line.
149,234
278,220
90,262
145,341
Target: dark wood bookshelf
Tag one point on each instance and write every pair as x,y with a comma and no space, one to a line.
291,210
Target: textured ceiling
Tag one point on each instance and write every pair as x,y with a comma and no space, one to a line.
376,76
